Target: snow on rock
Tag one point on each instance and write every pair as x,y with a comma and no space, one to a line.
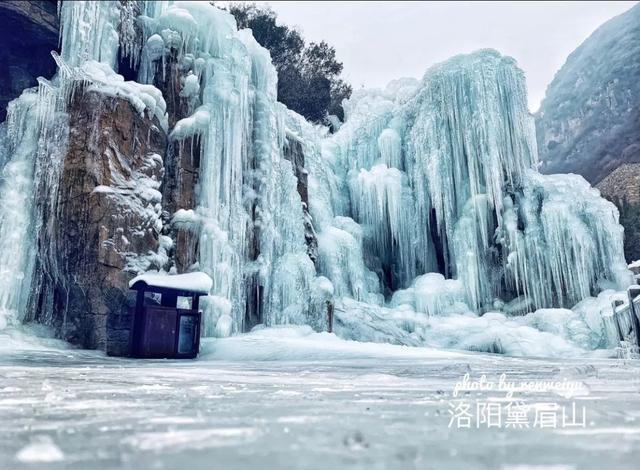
196,282
185,218
323,287
192,125
191,86
143,97
138,195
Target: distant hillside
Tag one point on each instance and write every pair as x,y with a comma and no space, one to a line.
589,121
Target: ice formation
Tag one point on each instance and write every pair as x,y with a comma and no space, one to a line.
426,204
37,127
442,178
453,219
16,187
243,171
32,150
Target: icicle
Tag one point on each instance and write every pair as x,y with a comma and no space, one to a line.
472,206
423,176
560,255
129,39
248,191
88,31
16,193
380,201
390,146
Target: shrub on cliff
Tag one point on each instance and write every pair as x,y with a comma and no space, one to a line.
308,75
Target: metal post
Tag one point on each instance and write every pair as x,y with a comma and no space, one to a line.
614,305
330,316
633,292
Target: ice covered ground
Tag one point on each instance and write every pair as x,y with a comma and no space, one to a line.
299,400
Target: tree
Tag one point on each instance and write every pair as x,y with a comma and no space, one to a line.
340,90
321,58
284,44
308,76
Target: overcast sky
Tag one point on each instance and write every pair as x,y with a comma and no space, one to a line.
381,41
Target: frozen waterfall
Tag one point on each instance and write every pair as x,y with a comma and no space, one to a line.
426,204
248,193
16,189
441,177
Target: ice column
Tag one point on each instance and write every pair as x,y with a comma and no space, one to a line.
250,212
17,240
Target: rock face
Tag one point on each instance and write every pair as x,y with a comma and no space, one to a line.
622,184
107,220
28,35
589,121
622,187
182,163
294,152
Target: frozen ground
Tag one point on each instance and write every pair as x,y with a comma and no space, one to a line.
289,401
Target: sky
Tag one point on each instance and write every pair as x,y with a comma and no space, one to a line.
381,41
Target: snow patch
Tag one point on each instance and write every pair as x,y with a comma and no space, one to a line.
142,97
42,449
196,282
301,343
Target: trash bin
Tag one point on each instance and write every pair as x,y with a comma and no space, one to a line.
166,320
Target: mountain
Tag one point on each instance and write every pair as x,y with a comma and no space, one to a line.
589,121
